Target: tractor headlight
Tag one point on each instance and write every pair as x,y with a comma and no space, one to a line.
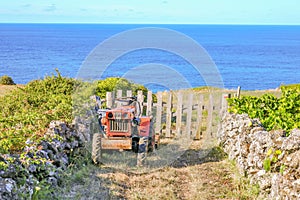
110,115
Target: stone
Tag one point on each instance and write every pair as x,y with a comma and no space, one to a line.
292,143
7,187
246,141
52,181
54,153
74,144
10,172
32,168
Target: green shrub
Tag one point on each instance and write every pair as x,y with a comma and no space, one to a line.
274,113
6,80
115,83
26,112
291,86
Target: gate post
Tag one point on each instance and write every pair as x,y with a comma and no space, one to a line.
179,114
169,114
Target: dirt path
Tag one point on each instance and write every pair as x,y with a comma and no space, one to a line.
5,89
211,177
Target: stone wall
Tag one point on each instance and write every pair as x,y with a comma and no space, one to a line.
269,159
43,162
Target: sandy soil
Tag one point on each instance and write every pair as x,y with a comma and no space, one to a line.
4,89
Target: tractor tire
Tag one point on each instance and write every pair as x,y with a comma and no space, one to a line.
142,152
96,148
135,146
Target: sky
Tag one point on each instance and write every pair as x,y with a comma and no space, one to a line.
285,12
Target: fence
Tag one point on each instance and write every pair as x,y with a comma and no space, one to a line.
182,113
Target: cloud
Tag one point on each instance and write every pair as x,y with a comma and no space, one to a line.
26,5
50,8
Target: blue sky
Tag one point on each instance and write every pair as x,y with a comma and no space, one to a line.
151,11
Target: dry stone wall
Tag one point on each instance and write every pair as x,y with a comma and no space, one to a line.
270,159
45,161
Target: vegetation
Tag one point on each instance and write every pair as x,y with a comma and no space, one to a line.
291,86
27,112
274,113
270,162
114,84
6,80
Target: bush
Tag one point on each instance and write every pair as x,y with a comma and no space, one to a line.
6,80
26,112
115,83
274,113
291,86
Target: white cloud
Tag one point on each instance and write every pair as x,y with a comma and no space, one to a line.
50,8
26,5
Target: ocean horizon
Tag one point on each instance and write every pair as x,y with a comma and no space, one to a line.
251,56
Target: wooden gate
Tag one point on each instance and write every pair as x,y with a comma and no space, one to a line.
184,113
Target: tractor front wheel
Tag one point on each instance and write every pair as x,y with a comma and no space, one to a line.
142,151
96,148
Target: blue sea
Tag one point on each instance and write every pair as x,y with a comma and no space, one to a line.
253,57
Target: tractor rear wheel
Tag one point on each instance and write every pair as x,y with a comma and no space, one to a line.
96,148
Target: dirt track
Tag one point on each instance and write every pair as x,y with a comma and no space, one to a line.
211,177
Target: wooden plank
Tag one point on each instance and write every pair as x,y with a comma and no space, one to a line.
223,109
179,114
169,115
238,92
109,99
224,104
129,93
189,114
210,115
199,118
113,97
149,104
158,113
140,99
119,95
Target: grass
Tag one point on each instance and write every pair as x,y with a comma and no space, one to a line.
259,93
80,180
4,89
242,185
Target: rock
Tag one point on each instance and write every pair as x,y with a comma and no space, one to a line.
44,161
7,187
74,144
292,143
293,160
246,141
32,168
10,172
42,154
52,181
261,173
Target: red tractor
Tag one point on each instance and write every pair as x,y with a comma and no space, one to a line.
124,128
